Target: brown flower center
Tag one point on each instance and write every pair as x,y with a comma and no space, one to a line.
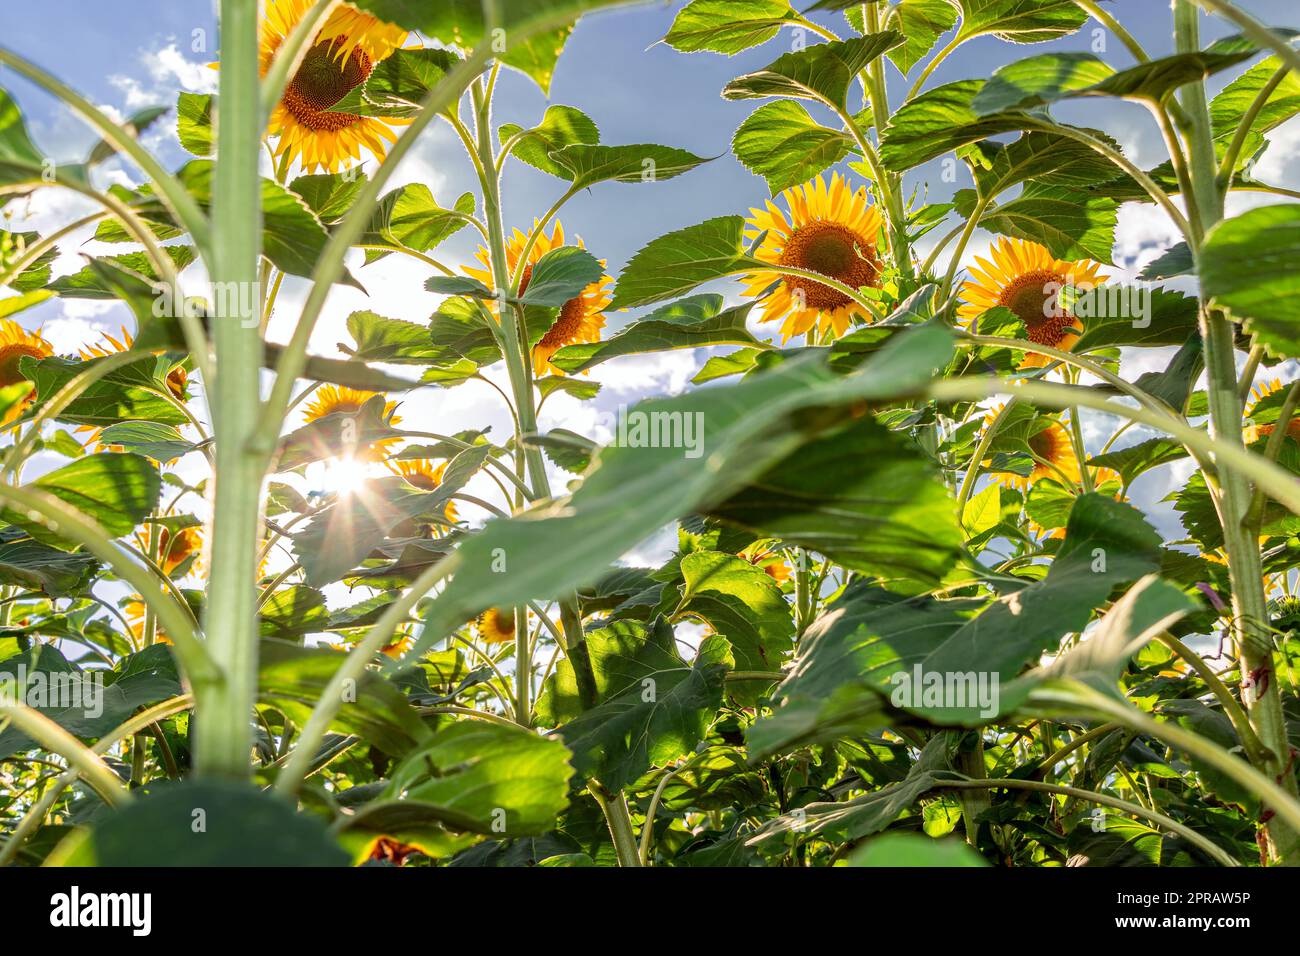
832,250
421,480
1035,299
322,81
10,356
1044,444
567,324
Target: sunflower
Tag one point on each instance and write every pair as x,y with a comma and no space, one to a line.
334,399
173,552
496,625
1025,278
1054,458
828,230
343,54
1257,431
581,319
134,610
399,647
15,343
427,476
177,378
777,570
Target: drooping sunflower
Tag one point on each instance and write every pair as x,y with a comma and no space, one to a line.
342,56
581,319
15,343
496,625
425,474
1027,279
332,399
830,230
1262,408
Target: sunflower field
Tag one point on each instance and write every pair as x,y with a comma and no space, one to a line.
967,536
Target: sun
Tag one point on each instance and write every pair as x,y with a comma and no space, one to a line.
15,344
1027,279
829,230
342,57
581,319
346,476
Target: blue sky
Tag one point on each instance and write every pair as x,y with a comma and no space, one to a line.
127,55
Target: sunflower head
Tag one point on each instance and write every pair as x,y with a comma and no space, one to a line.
177,378
777,570
829,230
16,343
134,610
399,647
1027,279
496,625
425,474
1269,398
335,399
581,319
342,56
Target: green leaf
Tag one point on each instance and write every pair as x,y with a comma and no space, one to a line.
398,84
1041,80
329,195
1020,21
392,341
116,490
824,72
741,603
938,121
194,114
484,778
20,159
291,679
533,30
1229,107
410,218
1070,223
14,304
745,428
292,612
782,143
1175,261
1136,459
85,703
38,567
586,164
871,813
652,706
561,126
153,440
862,655
724,27
243,826
910,849
1048,158
99,279
561,275
734,363
1247,266
921,22
678,262
861,496
693,322
131,392
458,285
1171,319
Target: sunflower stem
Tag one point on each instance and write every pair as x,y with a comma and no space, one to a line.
224,736
1250,607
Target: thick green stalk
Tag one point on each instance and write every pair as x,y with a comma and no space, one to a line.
1249,605
224,730
893,185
